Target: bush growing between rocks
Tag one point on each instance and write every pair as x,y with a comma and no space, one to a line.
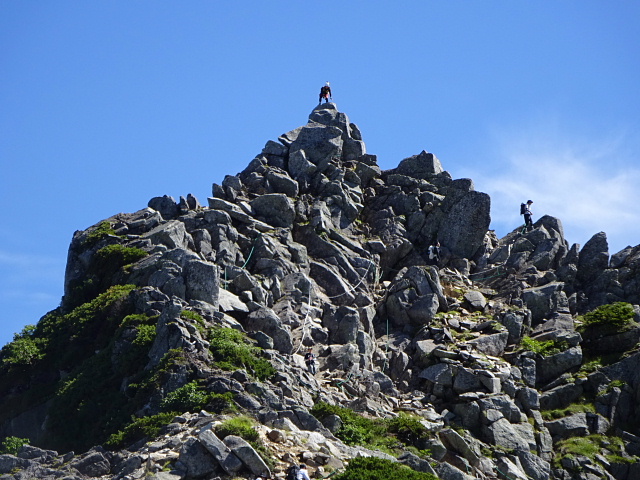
373,468
197,320
240,426
232,350
191,397
101,272
544,348
408,428
103,229
11,445
139,428
355,429
384,434
615,315
188,398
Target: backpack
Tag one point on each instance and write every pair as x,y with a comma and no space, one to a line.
523,208
292,472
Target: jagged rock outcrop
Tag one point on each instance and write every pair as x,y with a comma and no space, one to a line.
313,245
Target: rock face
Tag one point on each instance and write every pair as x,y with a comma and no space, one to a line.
313,245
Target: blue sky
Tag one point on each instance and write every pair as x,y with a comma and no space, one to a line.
104,105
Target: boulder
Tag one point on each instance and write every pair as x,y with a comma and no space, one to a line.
265,320
491,344
503,433
247,455
534,466
593,258
172,234
571,426
166,205
464,227
475,299
551,367
195,460
220,451
545,300
422,166
275,209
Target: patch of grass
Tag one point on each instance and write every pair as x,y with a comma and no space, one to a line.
609,446
544,348
240,426
103,229
612,385
568,410
196,319
453,291
373,468
232,350
355,429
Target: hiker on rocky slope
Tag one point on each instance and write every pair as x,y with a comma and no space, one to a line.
525,209
310,360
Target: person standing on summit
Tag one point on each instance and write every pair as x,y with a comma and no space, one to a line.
325,92
525,209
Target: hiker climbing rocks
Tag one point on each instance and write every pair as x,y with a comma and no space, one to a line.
525,209
434,254
302,473
310,360
325,92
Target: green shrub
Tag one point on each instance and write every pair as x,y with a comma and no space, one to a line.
197,320
103,229
356,429
188,398
240,426
139,428
545,348
615,315
11,445
146,334
87,328
408,428
231,350
24,349
108,260
373,468
102,272
221,403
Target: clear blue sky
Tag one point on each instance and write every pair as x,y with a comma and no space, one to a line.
104,105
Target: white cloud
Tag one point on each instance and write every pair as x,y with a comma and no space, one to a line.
591,185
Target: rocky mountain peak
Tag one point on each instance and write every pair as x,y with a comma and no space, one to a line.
491,359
